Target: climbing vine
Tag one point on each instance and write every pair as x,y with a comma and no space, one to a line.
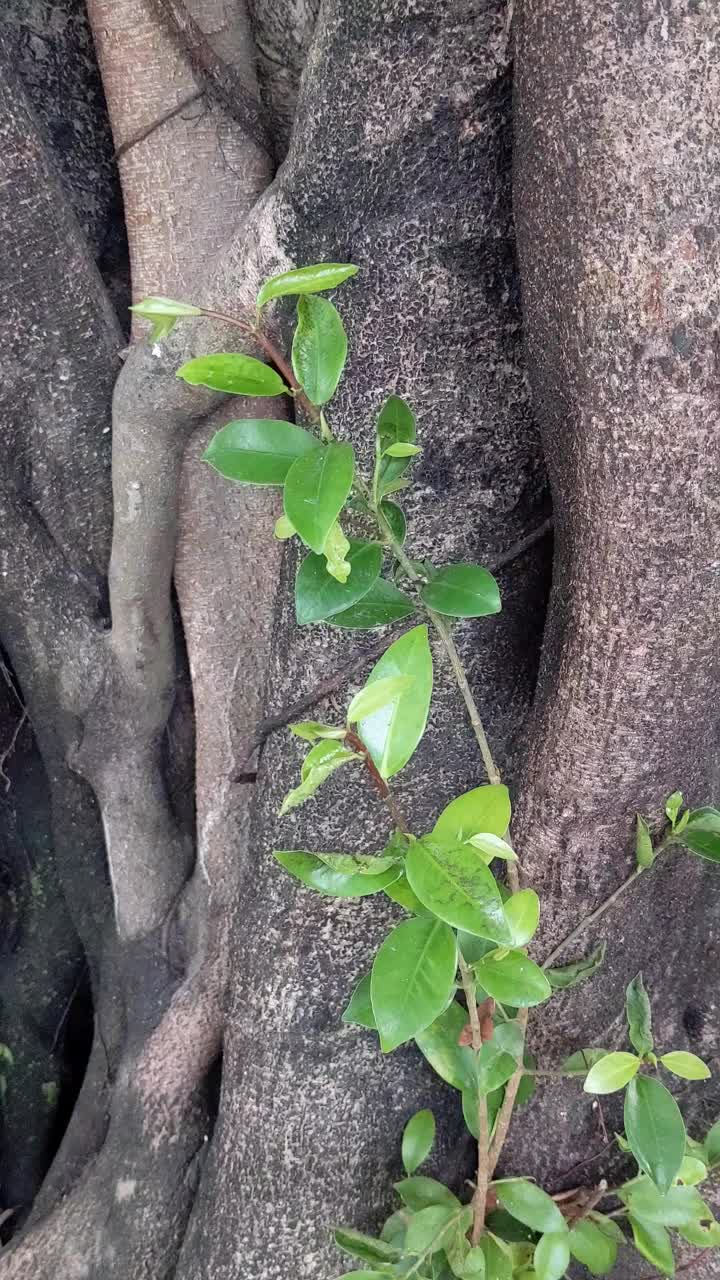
454,975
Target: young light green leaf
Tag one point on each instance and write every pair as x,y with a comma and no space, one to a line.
701,834
439,1043
686,1065
313,731
417,1140
317,875
316,487
653,1242
490,846
639,1016
376,696
644,852
313,279
480,811
611,1072
402,449
456,885
359,1012
704,1234
677,1208
258,451
364,1275
420,1192
512,978
336,548
396,424
318,596
673,805
395,517
392,733
582,1060
530,1205
366,1248
322,760
591,1246
522,912
164,314
358,864
571,975
462,591
413,977
319,348
692,1171
552,1255
233,373
284,529
655,1130
381,605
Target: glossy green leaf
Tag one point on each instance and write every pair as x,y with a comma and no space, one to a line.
673,805
702,834
381,605
593,1247
392,733
530,1205
401,893
571,975
644,852
552,1255
359,1012
455,883
417,1140
655,1129
522,912
490,847
335,551
315,491
233,373
438,1043
686,1065
312,279
498,1264
395,517
420,1192
319,596
676,1208
413,977
639,1016
402,449
583,1059
358,864
653,1242
484,809
462,591
493,1102
319,348
320,762
258,450
512,978
612,1072
498,1058
396,423
313,731
316,875
430,1229
375,696
472,947
164,314
528,1084
366,1248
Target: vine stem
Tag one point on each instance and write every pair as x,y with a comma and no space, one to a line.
273,352
379,782
479,1199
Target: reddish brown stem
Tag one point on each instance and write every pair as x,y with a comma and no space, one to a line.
356,744
273,353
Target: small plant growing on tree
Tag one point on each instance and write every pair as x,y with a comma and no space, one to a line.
455,976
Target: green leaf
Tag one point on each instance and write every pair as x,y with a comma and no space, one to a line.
474,1265
233,373
686,1065
701,834
608,1227
530,1205
583,1059
591,1246
258,451
401,893
676,1208
512,978
312,730
552,1255
462,591
358,864
376,696
413,977
313,279
653,1242
498,1264
655,1130
284,529
498,1058
395,1228
639,1016
704,1234
364,1275
493,1102
359,1012
322,760
417,1140
366,1248
611,1072
396,424
316,875
381,605
438,1043
335,550
319,349
644,852
315,491
319,596
392,733
472,947
454,882
692,1171
711,1145
571,975
490,847
482,810
419,1193
673,805
522,912
429,1229
395,517
164,314
402,450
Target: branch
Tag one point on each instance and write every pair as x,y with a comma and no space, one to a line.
144,134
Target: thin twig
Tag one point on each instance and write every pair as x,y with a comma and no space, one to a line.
5,755
381,786
594,915
479,1199
144,134
520,547
588,1160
